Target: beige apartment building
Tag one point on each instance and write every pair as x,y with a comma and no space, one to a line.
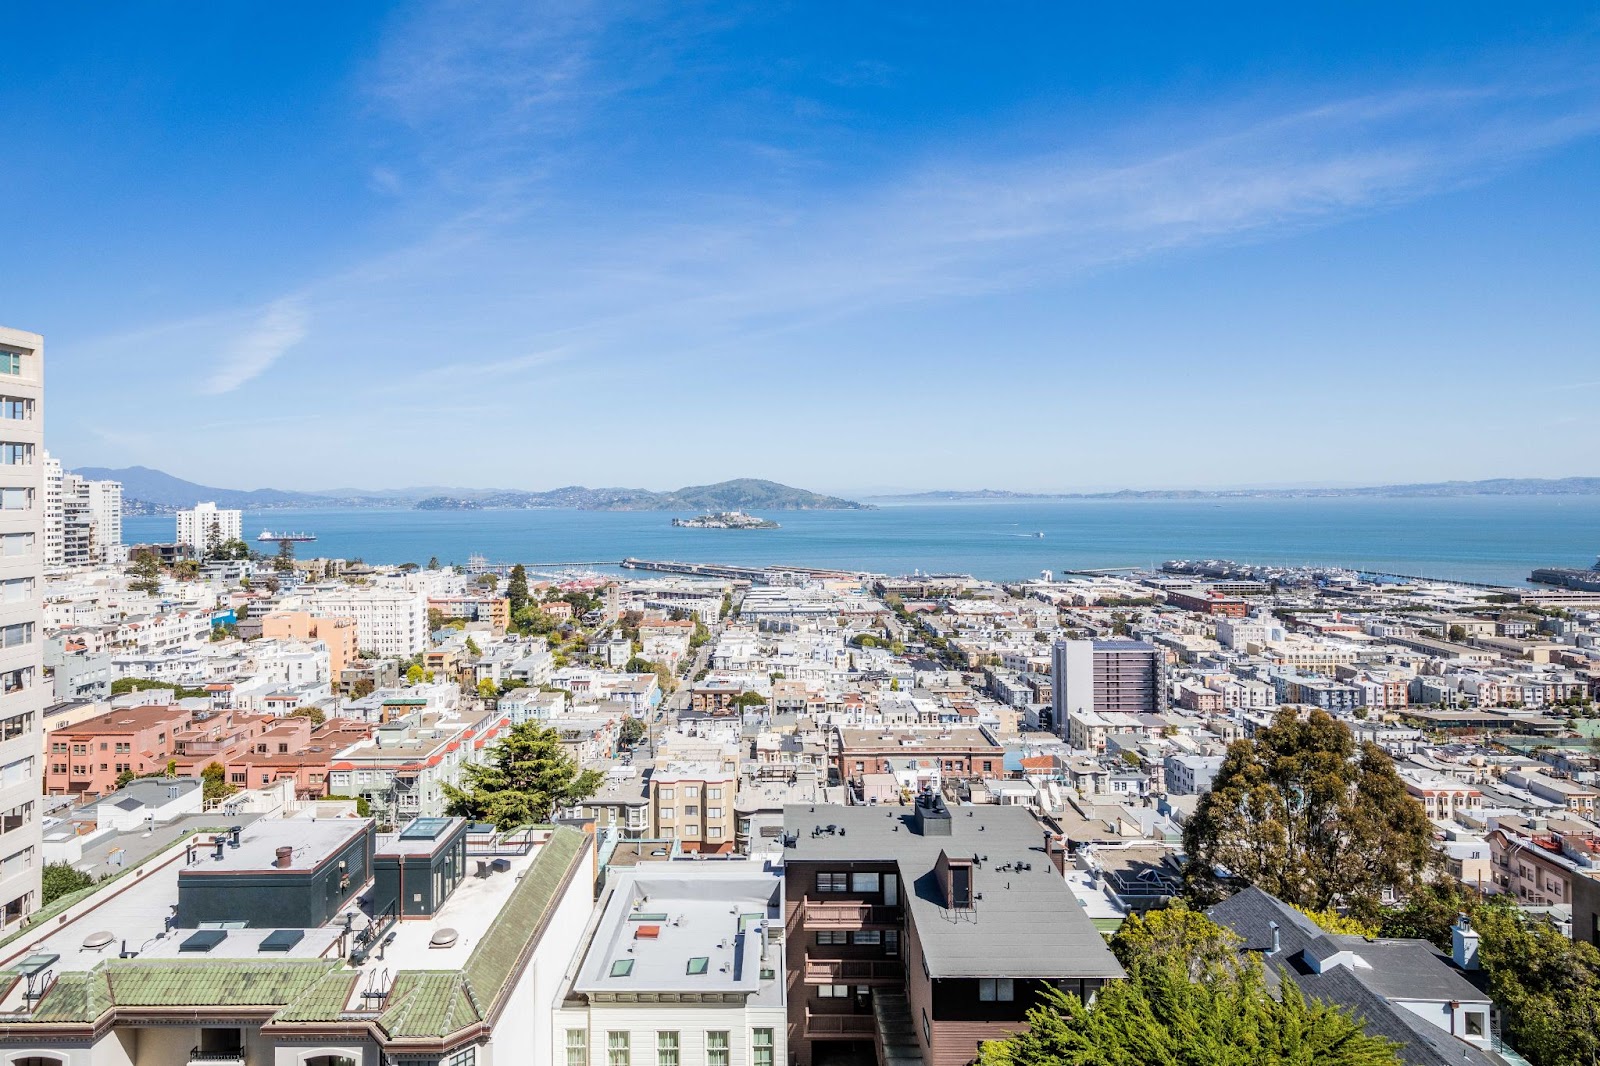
692,803
22,692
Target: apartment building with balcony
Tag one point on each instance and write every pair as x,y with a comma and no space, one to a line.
915,934
22,687
1106,676
402,768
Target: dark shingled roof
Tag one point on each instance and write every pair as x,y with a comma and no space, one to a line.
1390,969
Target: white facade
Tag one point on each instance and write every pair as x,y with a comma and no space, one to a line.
207,527
389,621
105,507
22,691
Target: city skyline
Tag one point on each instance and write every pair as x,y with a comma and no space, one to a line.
626,239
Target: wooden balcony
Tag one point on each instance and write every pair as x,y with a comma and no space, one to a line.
850,1026
848,914
854,971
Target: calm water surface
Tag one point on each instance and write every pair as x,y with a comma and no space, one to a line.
1488,539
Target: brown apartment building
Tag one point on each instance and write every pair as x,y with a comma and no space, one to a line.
961,752
916,933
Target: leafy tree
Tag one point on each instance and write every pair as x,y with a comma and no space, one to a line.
283,562
633,730
61,879
637,665
529,775
1189,1000
146,573
1457,633
1305,813
316,715
215,786
532,620
436,619
473,649
749,699
433,562
487,689
123,685
1331,921
415,674
488,581
234,549
517,588
1547,986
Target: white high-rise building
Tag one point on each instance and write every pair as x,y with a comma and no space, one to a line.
390,620
105,505
82,518
22,690
207,527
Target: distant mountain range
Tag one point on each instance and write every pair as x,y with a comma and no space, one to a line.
1515,486
147,491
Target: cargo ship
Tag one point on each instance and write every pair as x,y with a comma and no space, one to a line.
1568,577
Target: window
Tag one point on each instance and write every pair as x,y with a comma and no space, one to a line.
833,882
891,942
713,812
16,590
927,1030
1474,1024
16,634
832,937
995,990
691,792
665,794
467,1056
666,1049
866,936
717,1048
577,1047
668,814
14,544
833,991
691,830
15,726
863,882
691,811
713,793
761,1047
617,1051
713,832
17,410
14,454
11,363
16,499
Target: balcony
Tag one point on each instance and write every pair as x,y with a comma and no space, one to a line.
852,1026
854,971
848,914
224,1057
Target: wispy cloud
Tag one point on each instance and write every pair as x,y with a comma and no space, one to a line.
280,327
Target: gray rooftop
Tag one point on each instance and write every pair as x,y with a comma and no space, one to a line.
698,928
313,842
1028,923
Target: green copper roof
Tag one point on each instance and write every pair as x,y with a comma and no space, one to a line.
323,1001
83,997
427,1003
489,966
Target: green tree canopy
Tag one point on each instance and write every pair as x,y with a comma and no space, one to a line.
215,786
517,588
528,776
633,730
60,879
1305,813
146,573
316,714
487,689
1189,1000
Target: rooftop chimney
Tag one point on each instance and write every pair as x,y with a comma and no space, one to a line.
285,857
1277,938
1464,944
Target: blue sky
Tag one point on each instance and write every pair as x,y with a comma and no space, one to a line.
851,247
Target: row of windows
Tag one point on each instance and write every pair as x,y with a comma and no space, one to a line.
847,882
619,1048
668,813
859,938
692,792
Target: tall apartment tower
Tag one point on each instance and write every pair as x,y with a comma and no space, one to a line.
82,519
207,527
22,690
1101,676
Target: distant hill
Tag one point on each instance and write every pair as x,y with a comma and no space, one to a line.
158,491
1516,486
147,491
738,495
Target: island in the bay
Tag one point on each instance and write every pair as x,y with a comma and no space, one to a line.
725,520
